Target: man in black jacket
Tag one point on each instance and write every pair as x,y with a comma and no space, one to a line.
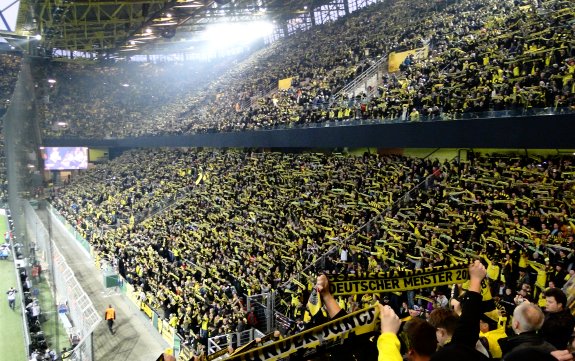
559,322
466,334
527,320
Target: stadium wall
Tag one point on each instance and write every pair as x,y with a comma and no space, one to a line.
535,132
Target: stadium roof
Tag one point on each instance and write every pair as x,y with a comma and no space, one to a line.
8,15
140,26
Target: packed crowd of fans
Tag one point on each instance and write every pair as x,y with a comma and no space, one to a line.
103,101
268,216
9,70
483,56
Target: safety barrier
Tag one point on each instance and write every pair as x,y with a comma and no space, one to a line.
369,78
234,339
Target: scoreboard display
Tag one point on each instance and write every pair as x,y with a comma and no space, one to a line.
65,158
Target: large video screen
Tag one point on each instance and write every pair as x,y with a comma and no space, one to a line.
64,158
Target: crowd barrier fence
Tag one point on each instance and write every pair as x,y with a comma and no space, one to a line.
238,339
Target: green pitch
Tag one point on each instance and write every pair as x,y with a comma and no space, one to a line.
11,333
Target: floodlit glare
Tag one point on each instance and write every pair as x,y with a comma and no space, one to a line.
232,34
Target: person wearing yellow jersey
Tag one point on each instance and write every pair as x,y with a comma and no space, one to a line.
490,331
523,260
204,327
388,343
541,274
492,269
173,320
508,270
372,264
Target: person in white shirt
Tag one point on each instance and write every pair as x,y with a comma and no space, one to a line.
343,256
12,298
33,309
442,301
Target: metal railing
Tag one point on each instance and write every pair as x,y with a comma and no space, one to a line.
234,339
163,204
510,113
254,101
364,79
263,307
441,116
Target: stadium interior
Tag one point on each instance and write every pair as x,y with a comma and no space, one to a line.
198,163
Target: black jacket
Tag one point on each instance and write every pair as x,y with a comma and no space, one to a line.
524,340
557,328
462,345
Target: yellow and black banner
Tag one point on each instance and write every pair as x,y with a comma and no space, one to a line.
393,281
186,354
284,84
359,323
395,59
217,354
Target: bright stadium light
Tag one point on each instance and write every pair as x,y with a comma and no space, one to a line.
225,35
38,37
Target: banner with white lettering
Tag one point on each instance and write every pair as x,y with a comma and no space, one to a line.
358,323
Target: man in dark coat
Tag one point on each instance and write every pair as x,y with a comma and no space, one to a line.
559,322
527,320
